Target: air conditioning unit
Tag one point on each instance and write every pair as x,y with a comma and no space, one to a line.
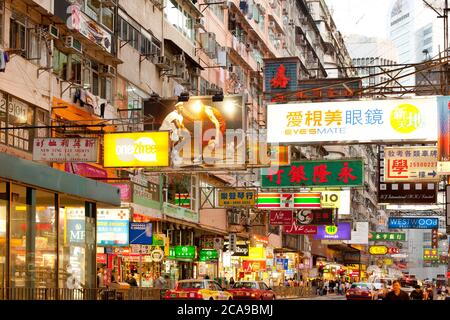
163,62
272,25
109,71
179,59
73,44
212,91
53,31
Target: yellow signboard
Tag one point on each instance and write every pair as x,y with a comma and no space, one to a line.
256,253
330,199
236,197
137,149
378,250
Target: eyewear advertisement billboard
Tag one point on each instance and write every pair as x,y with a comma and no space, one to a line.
353,121
137,149
203,133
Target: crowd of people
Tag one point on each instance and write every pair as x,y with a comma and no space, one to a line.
324,287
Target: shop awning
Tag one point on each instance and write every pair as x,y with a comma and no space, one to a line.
45,177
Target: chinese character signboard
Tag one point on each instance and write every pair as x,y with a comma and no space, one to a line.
208,255
403,192
430,255
141,233
281,75
353,121
413,223
444,129
410,164
113,227
387,236
182,252
65,149
340,232
331,173
281,217
236,197
434,239
314,217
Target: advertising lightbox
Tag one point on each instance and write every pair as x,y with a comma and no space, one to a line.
113,227
413,223
354,121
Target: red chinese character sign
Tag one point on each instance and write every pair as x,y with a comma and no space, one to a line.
280,80
331,173
280,76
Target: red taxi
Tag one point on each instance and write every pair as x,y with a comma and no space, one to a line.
361,291
198,290
251,290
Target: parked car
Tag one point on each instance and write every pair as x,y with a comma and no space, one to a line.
252,290
361,291
198,290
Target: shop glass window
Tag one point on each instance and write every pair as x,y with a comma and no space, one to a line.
72,243
18,240
3,207
46,246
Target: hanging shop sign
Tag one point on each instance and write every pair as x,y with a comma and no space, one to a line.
207,242
329,173
255,253
180,213
295,228
410,164
281,74
182,252
212,136
253,266
444,134
314,217
157,255
137,149
65,149
275,200
261,239
443,168
208,255
281,217
430,255
113,227
242,250
340,232
393,250
141,233
158,239
413,223
378,250
353,121
434,239
447,208
330,199
403,192
387,236
236,197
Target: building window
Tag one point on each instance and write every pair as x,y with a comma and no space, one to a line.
180,19
218,11
99,13
23,36
17,38
2,16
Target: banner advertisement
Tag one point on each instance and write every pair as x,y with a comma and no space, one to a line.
74,229
137,149
403,192
316,173
413,223
253,266
339,232
113,227
410,164
203,133
387,236
353,121
65,149
281,217
236,197
314,217
141,233
295,228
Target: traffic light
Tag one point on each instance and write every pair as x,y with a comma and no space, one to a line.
232,245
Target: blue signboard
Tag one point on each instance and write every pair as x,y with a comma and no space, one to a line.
283,262
413,223
141,233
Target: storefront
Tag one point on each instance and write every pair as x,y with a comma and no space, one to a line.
47,225
286,264
179,265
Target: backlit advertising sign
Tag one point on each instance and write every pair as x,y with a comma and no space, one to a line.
113,227
413,223
353,121
137,149
340,232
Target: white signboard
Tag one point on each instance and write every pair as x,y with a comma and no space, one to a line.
443,168
344,203
353,121
410,164
65,149
360,234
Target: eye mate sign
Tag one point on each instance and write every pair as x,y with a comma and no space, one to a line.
330,173
353,121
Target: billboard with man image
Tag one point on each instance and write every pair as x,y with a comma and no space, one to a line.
203,134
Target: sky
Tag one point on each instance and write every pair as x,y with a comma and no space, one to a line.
364,17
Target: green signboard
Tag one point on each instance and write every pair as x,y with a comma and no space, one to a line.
387,236
328,173
182,252
208,255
